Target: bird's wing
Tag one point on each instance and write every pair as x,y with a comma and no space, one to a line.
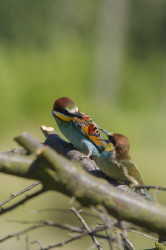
88,128
134,177
131,171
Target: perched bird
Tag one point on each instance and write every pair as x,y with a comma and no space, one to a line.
77,127
116,162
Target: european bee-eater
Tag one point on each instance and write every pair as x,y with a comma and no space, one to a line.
116,162
77,127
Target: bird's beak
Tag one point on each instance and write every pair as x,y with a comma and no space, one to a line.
78,115
104,131
53,112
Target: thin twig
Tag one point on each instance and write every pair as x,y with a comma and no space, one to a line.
128,244
12,196
157,189
51,224
62,243
86,227
27,198
143,234
7,237
150,187
64,226
110,224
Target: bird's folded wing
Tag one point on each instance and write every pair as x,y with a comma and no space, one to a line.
131,171
88,128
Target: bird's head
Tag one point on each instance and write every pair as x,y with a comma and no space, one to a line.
122,146
65,109
119,142
122,142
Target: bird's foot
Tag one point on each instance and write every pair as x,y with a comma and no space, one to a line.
82,157
88,156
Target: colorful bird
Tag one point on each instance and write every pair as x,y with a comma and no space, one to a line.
116,162
77,127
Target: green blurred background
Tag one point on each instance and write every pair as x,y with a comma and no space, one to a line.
108,56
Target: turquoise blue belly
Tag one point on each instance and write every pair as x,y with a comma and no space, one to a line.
69,130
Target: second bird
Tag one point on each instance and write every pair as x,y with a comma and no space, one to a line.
116,162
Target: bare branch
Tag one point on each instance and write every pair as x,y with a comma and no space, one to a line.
82,233
115,235
43,223
19,193
127,243
150,187
57,173
85,225
39,224
143,234
24,200
20,233
62,243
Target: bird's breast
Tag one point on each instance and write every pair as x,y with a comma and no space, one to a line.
78,139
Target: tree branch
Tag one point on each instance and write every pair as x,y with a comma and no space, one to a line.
81,232
150,187
60,174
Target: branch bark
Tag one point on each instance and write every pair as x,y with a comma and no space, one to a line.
62,175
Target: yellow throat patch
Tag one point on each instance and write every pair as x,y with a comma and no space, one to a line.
63,117
109,147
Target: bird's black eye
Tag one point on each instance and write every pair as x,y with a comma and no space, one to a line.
112,140
63,111
58,109
78,115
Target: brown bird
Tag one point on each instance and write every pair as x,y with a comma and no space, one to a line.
116,162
